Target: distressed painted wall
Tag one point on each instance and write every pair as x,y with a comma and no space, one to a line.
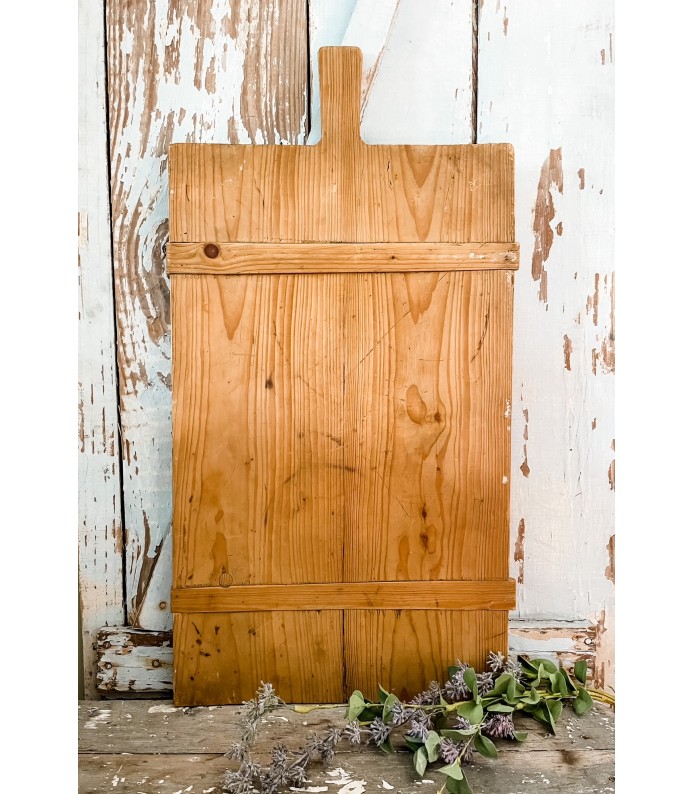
537,73
546,85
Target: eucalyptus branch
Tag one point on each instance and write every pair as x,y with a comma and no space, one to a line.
447,722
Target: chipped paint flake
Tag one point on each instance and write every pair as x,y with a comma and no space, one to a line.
519,551
609,571
551,181
568,349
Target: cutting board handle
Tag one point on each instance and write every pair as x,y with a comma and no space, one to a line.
339,70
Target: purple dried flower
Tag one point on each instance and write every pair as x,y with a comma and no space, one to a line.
237,752
449,751
379,731
419,726
333,735
514,668
485,683
352,732
237,783
462,724
430,697
297,775
496,661
399,714
456,688
499,726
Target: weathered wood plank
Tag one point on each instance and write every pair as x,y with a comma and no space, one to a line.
551,772
245,258
143,747
134,661
187,70
144,727
546,84
100,527
416,85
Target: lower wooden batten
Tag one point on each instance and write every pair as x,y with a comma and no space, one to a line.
321,656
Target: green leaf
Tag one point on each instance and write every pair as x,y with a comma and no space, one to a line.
501,708
532,698
470,679
458,734
581,671
550,717
583,702
501,683
413,743
388,704
382,694
558,684
485,746
356,705
387,747
453,770
548,666
511,689
461,786
541,673
420,761
555,708
431,745
370,714
452,670
567,680
526,665
472,711
521,736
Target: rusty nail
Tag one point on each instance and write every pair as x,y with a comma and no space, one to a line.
211,251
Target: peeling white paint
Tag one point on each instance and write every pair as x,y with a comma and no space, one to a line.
163,709
102,717
566,501
417,66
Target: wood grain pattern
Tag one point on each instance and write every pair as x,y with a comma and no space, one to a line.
221,658
487,594
179,70
404,650
100,521
340,427
146,727
546,84
153,748
213,258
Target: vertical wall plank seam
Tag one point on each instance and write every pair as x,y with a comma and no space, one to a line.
473,77
119,434
309,97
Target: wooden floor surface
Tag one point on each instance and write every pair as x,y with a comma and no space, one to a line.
151,747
